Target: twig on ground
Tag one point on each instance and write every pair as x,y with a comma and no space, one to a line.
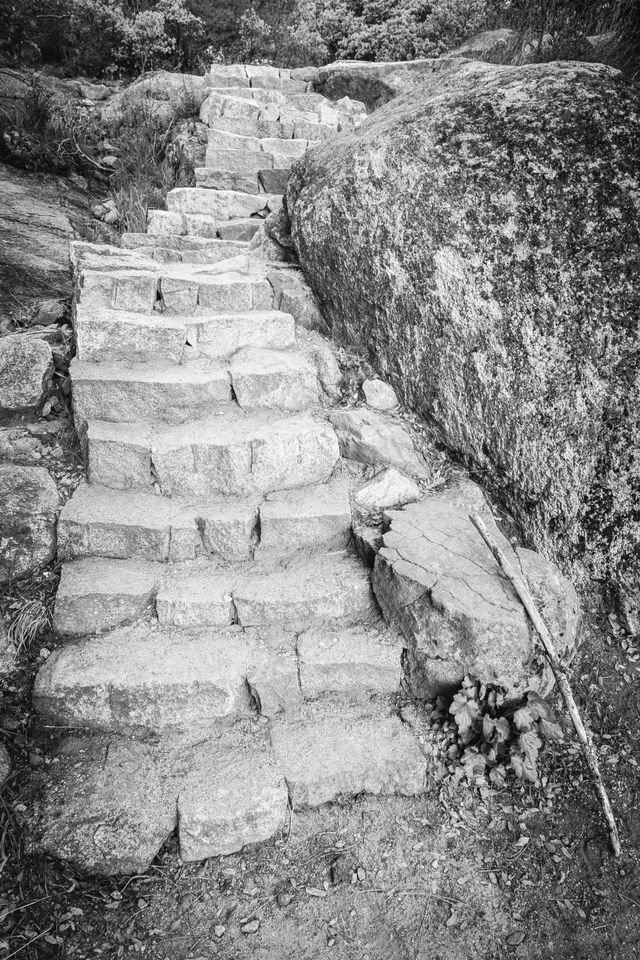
560,675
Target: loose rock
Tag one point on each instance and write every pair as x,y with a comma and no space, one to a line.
390,488
379,395
29,504
370,437
26,366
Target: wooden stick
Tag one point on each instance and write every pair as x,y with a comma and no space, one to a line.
559,673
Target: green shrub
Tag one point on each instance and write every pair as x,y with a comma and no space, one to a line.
488,739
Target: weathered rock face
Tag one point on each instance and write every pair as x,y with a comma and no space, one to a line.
439,584
480,236
29,504
39,216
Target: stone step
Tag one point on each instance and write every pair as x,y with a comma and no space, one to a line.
177,289
310,518
221,335
221,178
168,393
100,522
357,662
143,677
243,162
233,456
220,204
273,379
96,594
327,588
239,229
108,803
260,95
119,335
268,180
326,755
133,337
176,393
256,76
254,127
100,683
280,151
176,247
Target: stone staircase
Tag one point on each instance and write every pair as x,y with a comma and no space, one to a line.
224,656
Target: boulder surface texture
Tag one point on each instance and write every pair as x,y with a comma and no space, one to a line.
480,234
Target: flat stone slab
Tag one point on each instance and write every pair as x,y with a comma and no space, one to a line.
234,455
109,335
99,521
168,393
236,795
146,678
273,379
220,204
96,594
310,518
438,583
322,589
221,335
325,756
357,662
103,806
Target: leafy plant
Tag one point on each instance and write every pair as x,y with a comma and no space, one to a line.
487,738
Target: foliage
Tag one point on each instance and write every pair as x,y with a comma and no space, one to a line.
99,37
489,739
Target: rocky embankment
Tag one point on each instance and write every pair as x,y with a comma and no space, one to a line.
479,234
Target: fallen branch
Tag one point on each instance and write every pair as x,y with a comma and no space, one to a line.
559,673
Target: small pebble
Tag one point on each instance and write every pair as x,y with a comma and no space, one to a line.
251,927
219,929
284,899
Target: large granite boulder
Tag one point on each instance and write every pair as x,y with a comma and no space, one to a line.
438,583
480,236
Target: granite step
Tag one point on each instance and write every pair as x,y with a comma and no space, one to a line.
104,335
324,588
95,595
310,518
179,248
273,379
277,149
100,522
220,204
167,393
109,803
177,289
145,677
230,455
100,683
